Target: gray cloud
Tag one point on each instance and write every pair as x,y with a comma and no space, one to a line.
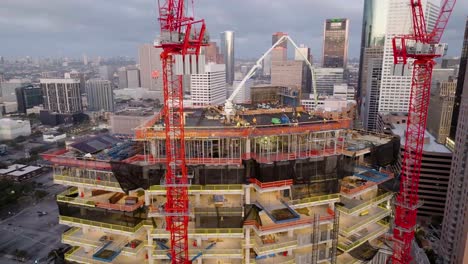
117,27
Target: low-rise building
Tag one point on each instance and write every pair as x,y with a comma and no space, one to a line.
11,129
20,172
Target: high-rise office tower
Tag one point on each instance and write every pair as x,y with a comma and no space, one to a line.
212,53
28,97
106,72
266,65
133,77
150,67
209,88
99,95
227,49
85,59
454,240
335,43
325,78
306,74
62,96
370,104
461,83
396,79
123,81
289,74
280,52
374,24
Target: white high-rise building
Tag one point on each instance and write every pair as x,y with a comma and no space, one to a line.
99,95
243,96
150,67
396,80
209,88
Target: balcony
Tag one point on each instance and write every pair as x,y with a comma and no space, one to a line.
78,255
314,201
271,186
355,206
369,233
93,183
226,248
203,232
97,239
103,200
351,224
277,259
105,227
203,189
280,245
306,219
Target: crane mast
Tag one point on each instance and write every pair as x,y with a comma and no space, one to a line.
423,47
181,35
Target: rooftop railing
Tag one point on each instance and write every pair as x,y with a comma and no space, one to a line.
363,205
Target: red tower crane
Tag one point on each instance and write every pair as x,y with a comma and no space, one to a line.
181,39
423,47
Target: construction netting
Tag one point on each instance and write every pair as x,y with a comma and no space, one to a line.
386,154
115,217
132,176
218,175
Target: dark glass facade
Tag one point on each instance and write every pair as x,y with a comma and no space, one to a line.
28,97
335,43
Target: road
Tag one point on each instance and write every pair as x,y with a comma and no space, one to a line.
27,231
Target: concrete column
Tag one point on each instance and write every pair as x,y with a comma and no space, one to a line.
199,242
149,253
290,233
199,260
85,229
147,198
247,146
148,235
289,252
247,195
197,200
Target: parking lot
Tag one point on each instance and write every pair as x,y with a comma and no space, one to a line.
26,230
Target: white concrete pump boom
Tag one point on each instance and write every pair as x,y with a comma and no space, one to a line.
229,109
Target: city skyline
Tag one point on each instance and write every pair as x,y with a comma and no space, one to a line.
119,27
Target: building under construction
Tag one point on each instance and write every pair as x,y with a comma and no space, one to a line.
273,185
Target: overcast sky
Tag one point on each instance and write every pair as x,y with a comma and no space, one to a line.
117,27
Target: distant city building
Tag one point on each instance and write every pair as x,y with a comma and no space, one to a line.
11,129
85,59
61,96
325,78
50,75
304,50
123,81
212,53
125,121
20,172
266,65
8,88
243,96
374,24
434,175
150,68
100,95
343,91
450,62
227,49
133,77
106,72
77,75
370,82
53,136
454,239
28,97
435,167
461,84
396,80
441,109
289,74
280,52
335,43
209,88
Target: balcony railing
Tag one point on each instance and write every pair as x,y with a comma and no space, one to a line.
374,217
275,184
111,227
205,231
88,182
68,238
63,197
375,200
291,224
271,248
381,230
315,199
214,252
203,188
